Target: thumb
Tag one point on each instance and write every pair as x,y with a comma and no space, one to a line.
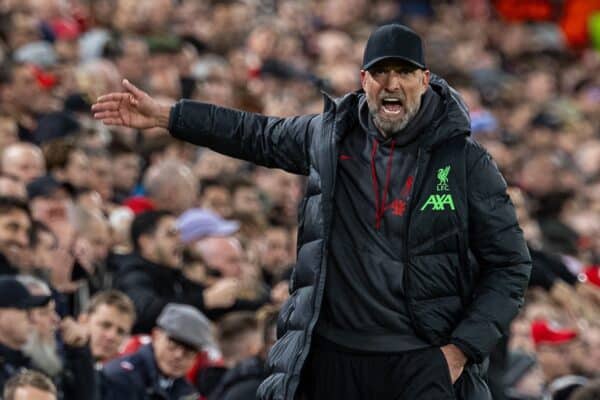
131,88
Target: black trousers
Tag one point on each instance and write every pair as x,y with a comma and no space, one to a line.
334,373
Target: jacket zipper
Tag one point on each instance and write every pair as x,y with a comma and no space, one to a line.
412,203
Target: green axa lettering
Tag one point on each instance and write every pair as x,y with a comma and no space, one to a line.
439,202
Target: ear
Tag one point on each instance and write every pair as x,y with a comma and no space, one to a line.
426,77
363,77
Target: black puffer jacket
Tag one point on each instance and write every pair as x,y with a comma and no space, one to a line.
467,265
152,287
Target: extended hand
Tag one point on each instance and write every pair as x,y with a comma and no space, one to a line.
456,360
133,108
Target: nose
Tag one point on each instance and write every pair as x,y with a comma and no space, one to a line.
111,334
178,352
393,81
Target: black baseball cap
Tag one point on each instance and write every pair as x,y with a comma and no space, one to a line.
13,294
393,41
47,186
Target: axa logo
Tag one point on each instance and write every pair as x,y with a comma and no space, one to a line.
438,202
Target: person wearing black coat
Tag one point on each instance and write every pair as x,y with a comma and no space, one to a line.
152,277
241,381
137,377
411,263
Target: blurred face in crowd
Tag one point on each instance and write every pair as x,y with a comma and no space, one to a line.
132,62
15,327
24,161
97,236
51,209
45,249
14,235
41,347
552,360
246,199
45,320
274,252
585,357
211,164
174,359
101,176
218,199
25,93
222,254
108,327
393,90
77,170
283,190
125,171
12,187
8,129
164,246
32,393
173,186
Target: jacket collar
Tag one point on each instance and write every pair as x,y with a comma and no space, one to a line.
453,121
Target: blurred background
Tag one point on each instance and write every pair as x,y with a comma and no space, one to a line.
529,71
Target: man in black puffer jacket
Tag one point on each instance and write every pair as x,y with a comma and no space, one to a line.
411,263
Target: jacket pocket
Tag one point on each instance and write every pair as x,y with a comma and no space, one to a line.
436,318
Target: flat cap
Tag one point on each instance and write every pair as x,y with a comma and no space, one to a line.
185,324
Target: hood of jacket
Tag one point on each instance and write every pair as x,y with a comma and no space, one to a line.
452,120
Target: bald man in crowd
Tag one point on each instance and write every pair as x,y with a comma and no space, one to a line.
24,161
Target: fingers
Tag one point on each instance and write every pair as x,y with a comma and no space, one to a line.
107,114
110,118
116,97
105,106
113,121
133,89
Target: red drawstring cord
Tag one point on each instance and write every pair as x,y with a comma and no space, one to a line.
380,207
375,183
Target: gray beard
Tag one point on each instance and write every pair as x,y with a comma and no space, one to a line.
387,127
44,356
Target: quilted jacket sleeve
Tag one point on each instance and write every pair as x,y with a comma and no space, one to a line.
267,141
497,242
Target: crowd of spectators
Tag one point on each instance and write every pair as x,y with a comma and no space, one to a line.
136,266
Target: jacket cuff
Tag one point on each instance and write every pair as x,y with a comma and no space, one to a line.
173,115
468,350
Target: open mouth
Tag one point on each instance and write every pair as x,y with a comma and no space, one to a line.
392,105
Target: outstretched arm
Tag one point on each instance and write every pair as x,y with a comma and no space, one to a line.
268,141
